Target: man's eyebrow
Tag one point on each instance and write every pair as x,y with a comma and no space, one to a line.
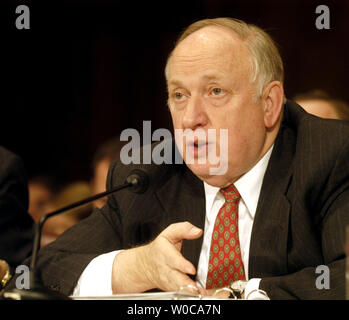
175,82
208,77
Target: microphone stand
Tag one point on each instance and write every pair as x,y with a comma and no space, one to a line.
138,180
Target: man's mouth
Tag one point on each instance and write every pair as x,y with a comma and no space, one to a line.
197,148
198,144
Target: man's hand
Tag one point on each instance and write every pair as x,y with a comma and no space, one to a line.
158,264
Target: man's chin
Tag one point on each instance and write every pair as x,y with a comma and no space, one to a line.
205,174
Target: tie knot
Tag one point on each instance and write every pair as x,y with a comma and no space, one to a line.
231,194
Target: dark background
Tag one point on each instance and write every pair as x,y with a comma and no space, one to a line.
86,70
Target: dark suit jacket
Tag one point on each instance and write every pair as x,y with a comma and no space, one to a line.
16,225
299,224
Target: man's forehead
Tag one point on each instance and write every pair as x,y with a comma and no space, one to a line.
212,33
206,40
209,48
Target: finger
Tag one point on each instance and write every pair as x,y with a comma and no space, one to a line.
176,280
176,260
181,230
203,291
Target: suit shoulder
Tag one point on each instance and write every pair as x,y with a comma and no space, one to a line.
318,131
7,155
312,132
158,173
10,163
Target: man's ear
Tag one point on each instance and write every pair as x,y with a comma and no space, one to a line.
273,99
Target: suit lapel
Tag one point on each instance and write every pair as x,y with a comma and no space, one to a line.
183,199
268,247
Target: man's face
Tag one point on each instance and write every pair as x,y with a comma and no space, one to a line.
39,200
209,85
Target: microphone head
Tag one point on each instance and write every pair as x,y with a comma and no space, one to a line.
139,180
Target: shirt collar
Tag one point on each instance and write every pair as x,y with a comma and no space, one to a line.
249,185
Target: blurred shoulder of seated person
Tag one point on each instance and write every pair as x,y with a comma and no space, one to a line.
16,226
105,154
321,104
41,191
56,225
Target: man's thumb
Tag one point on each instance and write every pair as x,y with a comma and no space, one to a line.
182,230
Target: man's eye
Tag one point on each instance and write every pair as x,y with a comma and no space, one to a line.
217,91
178,95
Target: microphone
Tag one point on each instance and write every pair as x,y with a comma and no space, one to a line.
137,181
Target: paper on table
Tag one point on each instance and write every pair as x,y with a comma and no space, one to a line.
151,296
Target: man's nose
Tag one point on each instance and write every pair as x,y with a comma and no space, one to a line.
195,113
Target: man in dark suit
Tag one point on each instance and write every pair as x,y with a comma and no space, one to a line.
16,225
285,190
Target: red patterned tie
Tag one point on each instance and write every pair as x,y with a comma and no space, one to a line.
225,263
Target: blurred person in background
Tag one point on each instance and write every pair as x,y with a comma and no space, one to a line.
41,191
105,154
56,225
321,104
16,225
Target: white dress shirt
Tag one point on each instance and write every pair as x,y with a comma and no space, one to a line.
96,278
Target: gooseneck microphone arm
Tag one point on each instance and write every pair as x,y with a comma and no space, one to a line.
40,224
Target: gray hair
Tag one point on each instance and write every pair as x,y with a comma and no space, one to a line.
266,62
